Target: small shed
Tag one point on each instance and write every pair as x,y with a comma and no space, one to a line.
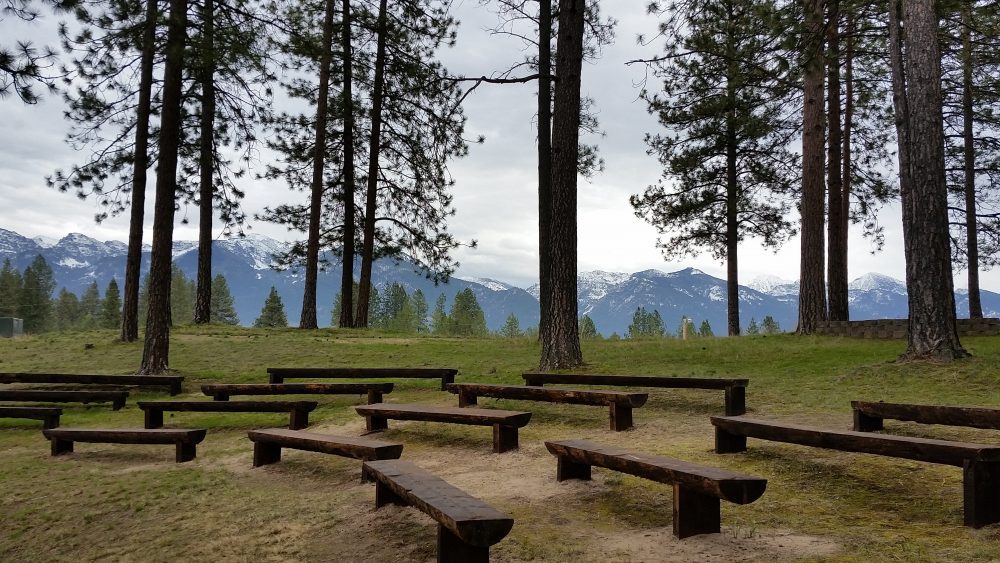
11,327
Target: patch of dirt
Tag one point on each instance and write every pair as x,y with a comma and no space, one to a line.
733,544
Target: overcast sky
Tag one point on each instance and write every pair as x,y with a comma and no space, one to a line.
496,189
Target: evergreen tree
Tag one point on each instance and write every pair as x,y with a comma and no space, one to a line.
272,315
182,298
394,312
10,289
752,328
24,66
466,317
588,331
645,324
223,306
111,309
67,314
511,328
705,329
90,307
34,304
770,326
439,318
419,304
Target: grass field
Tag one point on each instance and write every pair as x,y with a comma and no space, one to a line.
133,503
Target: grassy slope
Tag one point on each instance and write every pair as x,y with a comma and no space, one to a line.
133,503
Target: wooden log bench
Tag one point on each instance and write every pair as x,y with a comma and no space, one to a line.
735,389
467,526
116,398
620,404
278,375
222,391
504,423
869,416
185,440
980,462
267,445
698,489
298,417
171,382
48,415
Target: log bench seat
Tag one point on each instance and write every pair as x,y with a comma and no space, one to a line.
980,462
267,445
298,417
869,416
278,375
185,440
116,398
698,489
735,389
620,404
171,382
504,423
48,415
222,391
467,526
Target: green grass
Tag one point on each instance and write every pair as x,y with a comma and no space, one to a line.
133,503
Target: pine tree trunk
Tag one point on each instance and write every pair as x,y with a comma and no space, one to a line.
836,253
561,339
971,224
544,155
916,58
374,147
812,290
203,301
156,349
848,169
347,108
732,190
308,316
133,263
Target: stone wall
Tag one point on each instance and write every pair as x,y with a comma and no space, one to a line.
896,328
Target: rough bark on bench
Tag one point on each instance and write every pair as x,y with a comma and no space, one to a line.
504,423
868,415
172,382
980,462
697,488
467,526
116,398
620,404
278,375
298,417
735,389
268,443
185,440
223,391
48,415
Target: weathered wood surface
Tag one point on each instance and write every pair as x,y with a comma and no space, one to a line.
186,441
470,519
976,417
173,382
570,396
278,375
48,415
222,391
453,415
727,485
298,410
346,446
919,449
116,398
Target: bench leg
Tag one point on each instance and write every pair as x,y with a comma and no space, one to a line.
265,454
504,438
60,447
727,443
153,418
374,397
695,513
220,397
445,380
621,417
384,496
298,419
466,399
376,423
451,549
569,469
272,378
981,492
175,388
866,423
736,401
118,404
50,422
186,451
532,382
